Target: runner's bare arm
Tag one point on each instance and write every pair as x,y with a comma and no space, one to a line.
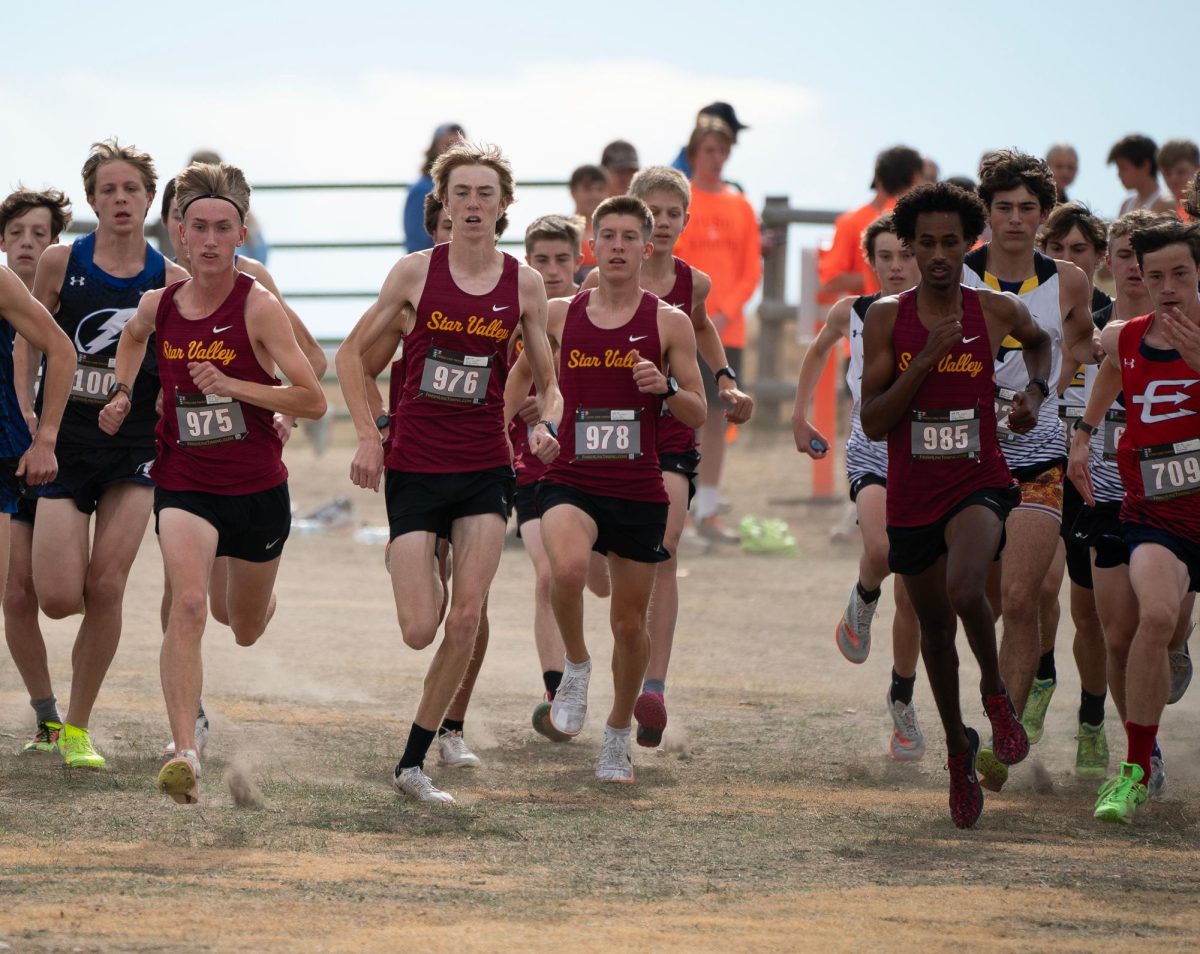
379,356
131,349
1105,389
536,352
520,375
591,280
816,356
51,272
708,344
1081,343
688,404
886,395
1009,313
308,344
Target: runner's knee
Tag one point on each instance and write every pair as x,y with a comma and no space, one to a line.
628,628
189,611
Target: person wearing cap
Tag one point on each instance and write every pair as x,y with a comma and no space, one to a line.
415,236
726,114
620,161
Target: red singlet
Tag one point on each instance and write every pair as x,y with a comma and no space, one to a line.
206,443
450,414
954,417
675,437
609,428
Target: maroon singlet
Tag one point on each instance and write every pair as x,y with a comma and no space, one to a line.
1157,453
212,444
601,403
447,420
526,463
675,437
920,489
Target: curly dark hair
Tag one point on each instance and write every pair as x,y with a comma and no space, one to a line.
1072,215
939,197
1168,231
24,200
1004,169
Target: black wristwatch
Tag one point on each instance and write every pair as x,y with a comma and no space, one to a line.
1082,425
1041,386
672,389
120,388
550,428
383,422
727,372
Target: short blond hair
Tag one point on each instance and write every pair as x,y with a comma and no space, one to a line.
661,179
472,154
625,205
205,179
554,228
110,150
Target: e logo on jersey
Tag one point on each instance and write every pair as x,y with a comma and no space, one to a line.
1151,398
99,331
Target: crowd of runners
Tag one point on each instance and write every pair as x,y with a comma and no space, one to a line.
989,448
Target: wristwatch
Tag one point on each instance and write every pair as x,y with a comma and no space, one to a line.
672,389
119,388
1082,425
727,372
383,422
1041,386
550,428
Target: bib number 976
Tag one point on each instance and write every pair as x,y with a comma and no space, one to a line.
456,378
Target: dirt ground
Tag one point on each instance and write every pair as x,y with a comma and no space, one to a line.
772,819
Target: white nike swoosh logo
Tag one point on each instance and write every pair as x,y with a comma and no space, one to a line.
969,340
638,338
272,543
499,307
217,331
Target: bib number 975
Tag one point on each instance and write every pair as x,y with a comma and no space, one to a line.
208,419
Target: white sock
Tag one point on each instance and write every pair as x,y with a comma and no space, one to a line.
706,502
609,730
577,669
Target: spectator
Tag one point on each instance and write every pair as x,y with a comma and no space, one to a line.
1063,161
589,187
722,240
722,111
843,269
930,171
1179,160
255,245
620,161
415,236
1136,159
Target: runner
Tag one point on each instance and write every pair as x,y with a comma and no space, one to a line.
448,463
926,388
220,483
606,492
1019,191
92,288
866,467
30,222
1072,234
1153,360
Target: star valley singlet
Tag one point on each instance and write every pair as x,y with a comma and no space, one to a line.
675,437
208,443
450,414
93,307
609,431
944,448
1046,442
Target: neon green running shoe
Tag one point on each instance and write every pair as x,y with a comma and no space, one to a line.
766,536
44,740
1034,717
992,772
76,747
1122,795
1091,751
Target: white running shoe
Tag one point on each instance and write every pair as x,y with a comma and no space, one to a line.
1158,776
854,628
1181,673
453,751
201,737
616,764
568,711
908,741
416,784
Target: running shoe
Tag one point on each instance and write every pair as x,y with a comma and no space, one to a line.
1157,782
542,724
616,764
76,747
768,536
710,529
453,751
414,783
1181,673
966,797
650,710
853,633
180,777
1091,751
1034,717
908,742
45,739
1122,795
992,772
201,736
1010,744
568,711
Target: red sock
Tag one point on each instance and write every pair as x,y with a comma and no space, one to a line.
1141,744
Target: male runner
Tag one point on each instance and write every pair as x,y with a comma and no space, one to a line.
668,195
220,483
1154,361
866,467
926,387
92,288
606,491
448,465
1019,192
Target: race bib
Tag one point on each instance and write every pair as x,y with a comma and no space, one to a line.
94,378
455,378
208,419
945,435
1070,412
1114,427
1170,470
604,434
1004,403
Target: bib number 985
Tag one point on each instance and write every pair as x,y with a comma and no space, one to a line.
951,434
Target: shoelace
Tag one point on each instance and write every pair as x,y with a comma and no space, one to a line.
614,750
908,719
570,691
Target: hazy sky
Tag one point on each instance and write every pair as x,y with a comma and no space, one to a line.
351,91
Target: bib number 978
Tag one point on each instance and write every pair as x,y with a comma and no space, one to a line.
608,434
